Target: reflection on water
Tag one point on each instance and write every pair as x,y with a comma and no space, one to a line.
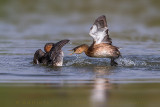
127,19
99,93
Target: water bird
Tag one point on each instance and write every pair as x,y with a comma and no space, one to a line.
102,44
53,54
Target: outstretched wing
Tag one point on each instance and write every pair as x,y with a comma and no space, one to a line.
99,31
38,56
56,51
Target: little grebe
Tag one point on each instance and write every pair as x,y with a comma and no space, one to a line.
102,44
53,54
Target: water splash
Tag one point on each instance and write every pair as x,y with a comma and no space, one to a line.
131,62
77,61
126,61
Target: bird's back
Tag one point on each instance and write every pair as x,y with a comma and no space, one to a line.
103,50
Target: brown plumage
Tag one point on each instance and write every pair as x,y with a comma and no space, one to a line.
48,47
38,56
53,54
102,45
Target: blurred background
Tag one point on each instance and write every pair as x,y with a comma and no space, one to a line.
51,19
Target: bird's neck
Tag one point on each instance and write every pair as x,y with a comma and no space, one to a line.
85,49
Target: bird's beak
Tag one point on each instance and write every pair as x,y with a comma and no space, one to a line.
71,53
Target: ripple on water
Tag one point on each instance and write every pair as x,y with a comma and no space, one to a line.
125,61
